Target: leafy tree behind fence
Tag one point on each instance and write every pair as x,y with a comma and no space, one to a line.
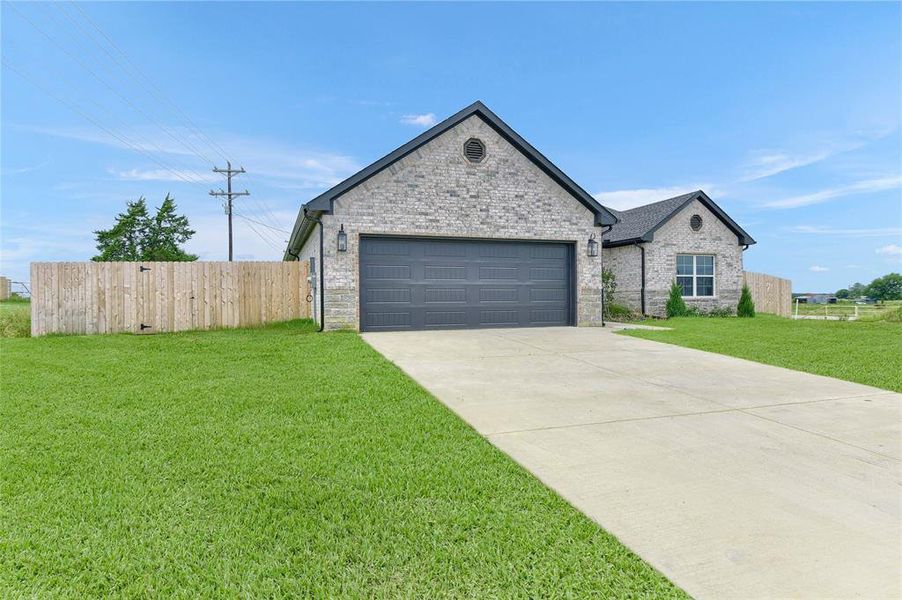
138,236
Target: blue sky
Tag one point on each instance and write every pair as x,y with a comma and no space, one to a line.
788,115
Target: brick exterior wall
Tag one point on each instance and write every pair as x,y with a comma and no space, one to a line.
625,263
676,237
436,191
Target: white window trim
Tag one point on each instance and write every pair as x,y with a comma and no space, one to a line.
695,275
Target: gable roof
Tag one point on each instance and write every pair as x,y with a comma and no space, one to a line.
323,203
639,224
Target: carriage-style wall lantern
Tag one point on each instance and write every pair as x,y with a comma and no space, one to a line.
592,246
342,239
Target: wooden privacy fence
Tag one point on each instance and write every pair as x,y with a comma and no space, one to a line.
770,294
152,297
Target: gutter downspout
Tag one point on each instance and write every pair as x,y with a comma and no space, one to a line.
322,277
601,256
642,281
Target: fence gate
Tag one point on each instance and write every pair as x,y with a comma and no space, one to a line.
156,297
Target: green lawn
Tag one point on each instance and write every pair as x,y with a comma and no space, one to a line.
269,462
864,352
15,318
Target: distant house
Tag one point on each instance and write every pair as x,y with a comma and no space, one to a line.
813,298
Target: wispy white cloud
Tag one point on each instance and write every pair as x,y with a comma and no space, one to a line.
851,232
767,163
137,139
264,158
867,186
625,199
426,120
890,250
817,269
23,170
164,175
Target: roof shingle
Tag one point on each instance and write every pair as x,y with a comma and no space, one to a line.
639,224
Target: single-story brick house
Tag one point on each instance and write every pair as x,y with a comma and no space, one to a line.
467,226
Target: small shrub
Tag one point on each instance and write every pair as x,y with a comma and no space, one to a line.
618,312
722,312
676,306
746,306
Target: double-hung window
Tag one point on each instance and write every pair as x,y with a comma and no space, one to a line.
695,274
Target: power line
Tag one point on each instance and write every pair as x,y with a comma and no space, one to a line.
97,124
266,212
110,87
246,218
187,174
267,236
154,90
269,242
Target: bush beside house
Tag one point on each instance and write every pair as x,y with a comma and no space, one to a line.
746,306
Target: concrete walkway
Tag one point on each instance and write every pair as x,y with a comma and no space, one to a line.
735,479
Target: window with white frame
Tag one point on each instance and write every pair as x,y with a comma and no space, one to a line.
695,274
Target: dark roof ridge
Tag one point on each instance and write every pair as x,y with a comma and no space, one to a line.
323,203
638,224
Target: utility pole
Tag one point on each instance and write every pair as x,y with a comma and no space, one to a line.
229,194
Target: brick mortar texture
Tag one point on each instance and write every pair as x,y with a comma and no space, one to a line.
436,191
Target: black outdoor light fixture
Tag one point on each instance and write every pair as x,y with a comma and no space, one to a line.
592,246
342,239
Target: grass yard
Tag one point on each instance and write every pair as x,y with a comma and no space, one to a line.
269,462
845,309
15,318
864,352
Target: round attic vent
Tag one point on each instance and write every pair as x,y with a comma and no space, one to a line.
695,222
474,150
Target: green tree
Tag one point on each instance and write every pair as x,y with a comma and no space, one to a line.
676,306
842,294
857,290
166,232
888,287
124,241
138,236
746,306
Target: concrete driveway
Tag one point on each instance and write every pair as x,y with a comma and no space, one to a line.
735,479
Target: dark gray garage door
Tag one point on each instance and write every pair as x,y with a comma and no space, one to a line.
455,284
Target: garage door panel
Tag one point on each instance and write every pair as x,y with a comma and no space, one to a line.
431,284
549,251
388,320
445,272
388,295
544,294
499,251
548,273
498,273
388,272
